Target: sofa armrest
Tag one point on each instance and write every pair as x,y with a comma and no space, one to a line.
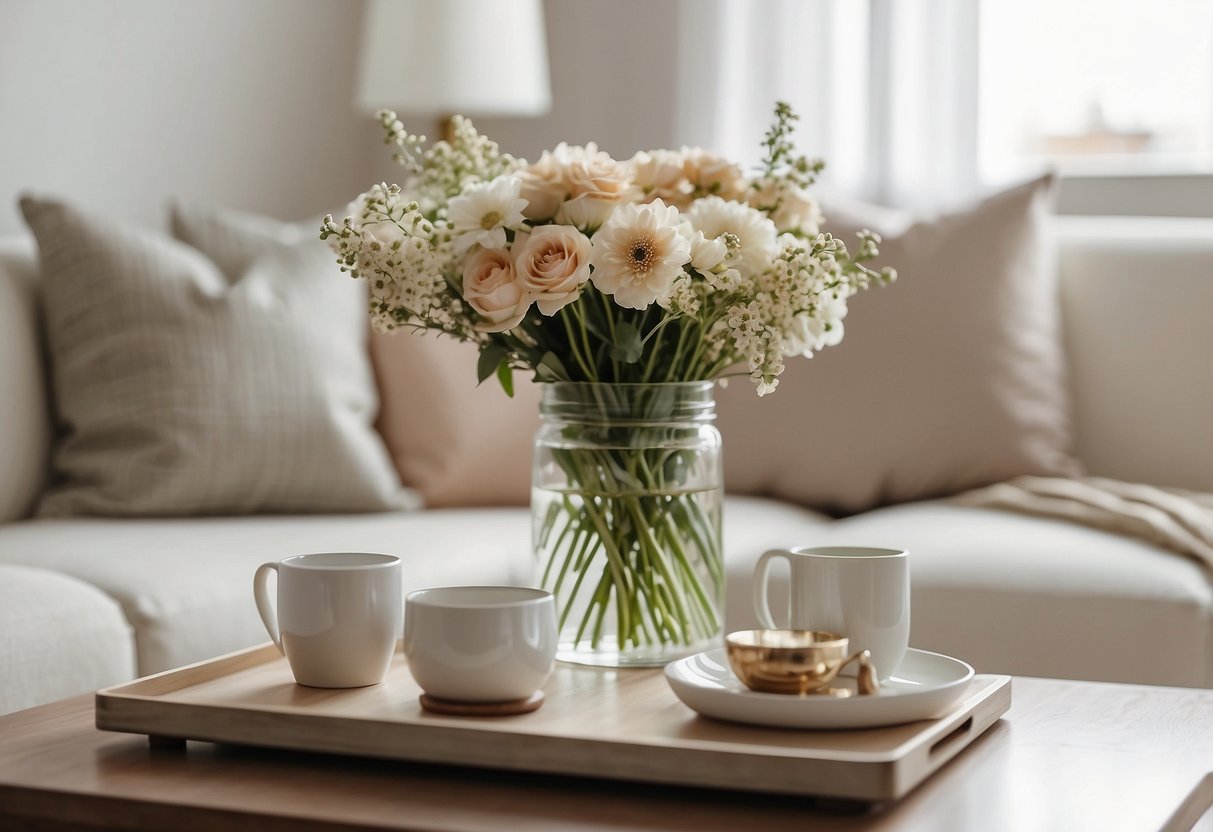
25,423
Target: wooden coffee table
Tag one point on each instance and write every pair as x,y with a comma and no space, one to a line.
1068,756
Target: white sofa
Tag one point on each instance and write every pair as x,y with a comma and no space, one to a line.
90,602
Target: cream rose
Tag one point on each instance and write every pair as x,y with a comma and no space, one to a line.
594,173
712,174
659,175
542,187
490,288
551,265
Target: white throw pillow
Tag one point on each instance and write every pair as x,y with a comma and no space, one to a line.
229,381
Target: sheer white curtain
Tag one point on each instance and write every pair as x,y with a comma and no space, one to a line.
886,89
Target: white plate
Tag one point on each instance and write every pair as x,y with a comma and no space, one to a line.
926,686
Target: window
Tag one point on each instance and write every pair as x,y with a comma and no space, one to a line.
922,103
1096,87
1116,96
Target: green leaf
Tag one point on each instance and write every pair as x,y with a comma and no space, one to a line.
628,345
491,357
505,374
551,368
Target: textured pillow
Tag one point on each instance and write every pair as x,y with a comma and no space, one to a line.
949,379
194,384
456,443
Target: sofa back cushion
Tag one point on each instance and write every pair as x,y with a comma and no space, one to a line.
25,424
1137,304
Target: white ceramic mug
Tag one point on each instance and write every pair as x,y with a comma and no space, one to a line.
338,615
860,592
480,643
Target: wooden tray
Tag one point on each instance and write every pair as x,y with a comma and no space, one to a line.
616,724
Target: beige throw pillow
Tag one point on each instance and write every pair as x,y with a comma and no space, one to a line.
949,379
456,443
228,381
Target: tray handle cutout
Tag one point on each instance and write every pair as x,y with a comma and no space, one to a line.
947,740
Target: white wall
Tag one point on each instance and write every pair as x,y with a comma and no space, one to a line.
613,65
122,104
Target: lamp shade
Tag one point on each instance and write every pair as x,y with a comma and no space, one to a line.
437,57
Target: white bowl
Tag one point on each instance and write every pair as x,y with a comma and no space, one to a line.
480,643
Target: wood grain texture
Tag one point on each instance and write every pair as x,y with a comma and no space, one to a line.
618,724
1068,756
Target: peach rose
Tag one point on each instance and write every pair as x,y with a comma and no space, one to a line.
552,264
490,288
712,174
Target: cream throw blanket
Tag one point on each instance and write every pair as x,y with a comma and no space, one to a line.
1181,521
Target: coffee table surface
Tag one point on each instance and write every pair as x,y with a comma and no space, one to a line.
1069,755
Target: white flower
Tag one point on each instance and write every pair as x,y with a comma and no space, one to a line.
827,324
551,265
754,230
789,206
484,211
586,212
638,253
490,288
707,253
682,297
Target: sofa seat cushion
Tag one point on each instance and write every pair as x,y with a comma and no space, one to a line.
1024,595
185,585
58,637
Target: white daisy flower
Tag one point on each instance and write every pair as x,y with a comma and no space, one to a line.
753,229
638,253
484,211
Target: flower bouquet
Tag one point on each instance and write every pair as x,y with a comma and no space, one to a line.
628,286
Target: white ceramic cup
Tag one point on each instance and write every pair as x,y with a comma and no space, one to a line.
338,615
480,643
859,592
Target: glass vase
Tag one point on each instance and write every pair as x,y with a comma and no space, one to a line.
626,510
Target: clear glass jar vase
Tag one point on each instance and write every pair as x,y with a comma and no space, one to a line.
626,506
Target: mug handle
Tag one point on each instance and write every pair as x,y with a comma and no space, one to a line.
762,604
260,593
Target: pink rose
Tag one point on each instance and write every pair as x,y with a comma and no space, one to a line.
552,264
490,288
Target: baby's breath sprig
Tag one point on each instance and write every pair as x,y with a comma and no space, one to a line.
408,146
781,161
445,168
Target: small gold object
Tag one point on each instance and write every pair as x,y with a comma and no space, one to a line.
799,662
